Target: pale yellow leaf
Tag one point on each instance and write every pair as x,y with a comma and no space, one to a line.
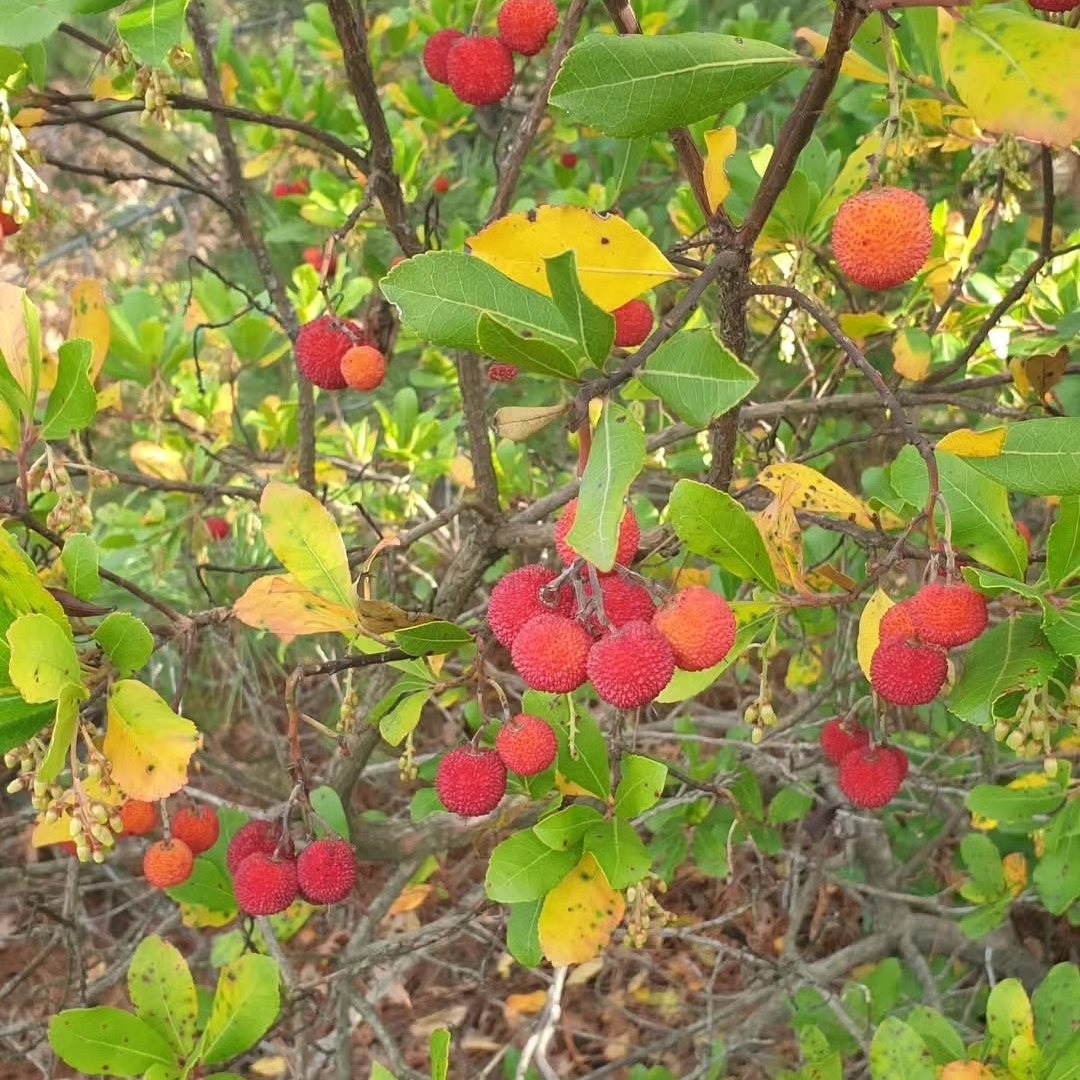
410,898
853,65
615,263
28,118
859,326
461,472
579,915
911,354
90,320
807,489
966,443
229,83
869,628
13,337
719,146
280,604
104,89
161,461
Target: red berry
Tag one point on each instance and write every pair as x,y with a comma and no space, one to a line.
881,238
526,25
526,744
633,324
897,623
363,367
869,777
515,600
261,836
1054,5
626,548
480,70
138,817
502,373
265,884
280,191
436,50
568,160
8,225
908,673
313,256
470,782
550,653
838,738
899,757
217,527
440,185
167,863
326,871
949,615
631,665
698,625
197,826
623,601
320,346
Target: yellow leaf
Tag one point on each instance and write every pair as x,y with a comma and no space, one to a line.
853,65
983,824
1029,782
147,744
261,164
13,338
110,398
860,326
579,915
869,624
687,576
810,490
28,118
229,83
90,320
161,461
410,898
519,1005
104,89
200,917
1036,376
966,1070
852,177
911,354
719,146
1015,868
461,472
782,535
615,263
568,787
965,443
518,422
280,604
804,670
56,832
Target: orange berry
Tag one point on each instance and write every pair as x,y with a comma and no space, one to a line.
882,238
167,863
197,826
138,817
363,367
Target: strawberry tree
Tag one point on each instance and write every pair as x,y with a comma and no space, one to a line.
582,499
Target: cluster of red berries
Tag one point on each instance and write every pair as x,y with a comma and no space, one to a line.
169,862
560,635
869,776
335,353
480,70
502,373
297,187
267,874
909,666
471,781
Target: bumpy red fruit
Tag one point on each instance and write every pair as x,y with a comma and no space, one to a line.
900,758
1054,5
550,653
897,623
502,373
525,25
515,600
626,549
255,836
265,884
326,871
480,70
197,826
168,863
869,778
908,672
631,665
363,367
839,739
949,615
321,344
437,50
882,238
624,601
471,782
526,744
698,625
138,817
633,324
217,527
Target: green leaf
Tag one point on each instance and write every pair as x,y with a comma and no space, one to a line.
442,295
208,887
788,804
982,920
1062,629
1056,1003
80,562
439,1047
591,326
245,1007
28,21
403,717
1039,457
616,457
67,719
638,85
524,868
522,933
108,1042
898,1050
712,524
43,659
1063,543
641,784
697,377
982,523
151,29
688,684
126,641
563,830
301,533
163,993
432,637
711,841
588,767
1014,655
326,802
1013,805
619,851
940,1036
983,862
19,720
1057,876
73,401
501,342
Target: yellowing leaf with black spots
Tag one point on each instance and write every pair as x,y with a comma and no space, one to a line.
810,490
90,320
280,604
147,744
1038,375
579,915
615,263
870,628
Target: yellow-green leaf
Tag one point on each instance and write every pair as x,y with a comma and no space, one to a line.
579,915
43,658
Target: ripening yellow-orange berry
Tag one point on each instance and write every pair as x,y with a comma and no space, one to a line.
881,238
363,367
